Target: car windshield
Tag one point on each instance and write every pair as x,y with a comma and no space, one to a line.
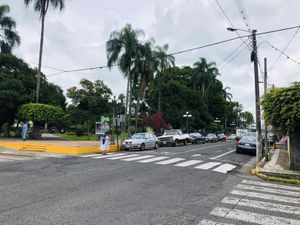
170,132
248,139
138,136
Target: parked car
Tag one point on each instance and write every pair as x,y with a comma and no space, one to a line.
221,137
246,144
173,137
197,138
231,137
211,137
141,141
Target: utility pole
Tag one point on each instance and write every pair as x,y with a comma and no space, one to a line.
265,92
257,99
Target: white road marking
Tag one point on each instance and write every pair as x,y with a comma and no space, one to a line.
188,163
195,150
207,166
265,196
211,222
139,158
153,159
262,205
251,217
224,168
91,155
266,184
268,190
170,161
107,156
219,156
196,155
123,156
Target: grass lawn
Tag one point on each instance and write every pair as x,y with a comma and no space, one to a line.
92,137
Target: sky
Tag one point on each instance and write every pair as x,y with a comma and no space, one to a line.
75,38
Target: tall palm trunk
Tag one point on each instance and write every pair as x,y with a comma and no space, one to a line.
129,105
126,105
38,82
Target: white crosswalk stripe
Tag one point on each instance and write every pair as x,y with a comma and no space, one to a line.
139,158
211,222
251,217
122,157
262,205
164,160
225,168
170,161
207,166
247,204
188,163
153,159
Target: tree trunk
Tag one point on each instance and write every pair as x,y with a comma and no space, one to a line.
137,109
129,106
294,149
126,108
159,99
6,127
38,82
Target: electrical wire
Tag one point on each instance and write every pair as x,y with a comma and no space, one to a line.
285,48
245,46
196,48
242,12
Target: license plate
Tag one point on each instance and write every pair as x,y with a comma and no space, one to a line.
164,142
247,144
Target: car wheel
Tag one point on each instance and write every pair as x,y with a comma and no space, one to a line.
176,143
142,147
156,146
237,150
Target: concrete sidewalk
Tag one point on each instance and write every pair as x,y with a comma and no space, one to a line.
277,168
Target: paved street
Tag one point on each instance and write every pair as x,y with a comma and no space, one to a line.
194,184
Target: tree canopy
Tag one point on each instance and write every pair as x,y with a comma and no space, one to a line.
282,108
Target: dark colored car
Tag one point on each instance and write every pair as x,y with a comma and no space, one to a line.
197,138
221,137
247,144
211,137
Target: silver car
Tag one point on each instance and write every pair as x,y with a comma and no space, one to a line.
141,141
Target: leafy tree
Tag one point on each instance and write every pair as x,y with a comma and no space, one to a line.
282,110
163,61
155,121
121,49
91,101
9,37
42,6
39,114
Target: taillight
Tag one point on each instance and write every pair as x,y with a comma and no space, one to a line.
238,142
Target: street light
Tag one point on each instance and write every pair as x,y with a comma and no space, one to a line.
187,115
257,96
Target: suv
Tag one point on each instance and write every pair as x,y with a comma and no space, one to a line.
173,137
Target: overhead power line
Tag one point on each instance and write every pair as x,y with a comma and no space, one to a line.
193,49
242,12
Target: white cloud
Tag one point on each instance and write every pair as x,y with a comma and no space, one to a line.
76,37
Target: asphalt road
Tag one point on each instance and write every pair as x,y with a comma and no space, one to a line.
123,189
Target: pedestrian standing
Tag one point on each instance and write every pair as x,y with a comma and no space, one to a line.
104,143
25,130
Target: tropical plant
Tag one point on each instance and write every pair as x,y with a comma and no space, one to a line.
40,114
122,49
204,76
42,6
163,61
9,37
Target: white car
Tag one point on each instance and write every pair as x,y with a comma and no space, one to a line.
141,141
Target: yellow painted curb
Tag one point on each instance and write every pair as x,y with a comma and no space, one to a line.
256,171
58,149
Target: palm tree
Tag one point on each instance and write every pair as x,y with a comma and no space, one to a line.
163,61
144,69
42,6
8,36
121,48
228,96
205,75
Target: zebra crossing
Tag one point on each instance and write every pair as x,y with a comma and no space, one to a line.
165,160
256,202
